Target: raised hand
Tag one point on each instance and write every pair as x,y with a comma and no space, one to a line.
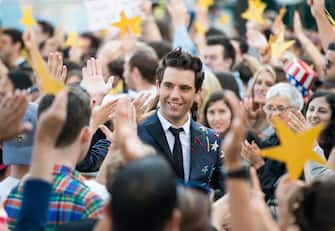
102,113
126,138
144,105
178,13
236,133
56,67
317,6
297,26
13,108
297,122
94,82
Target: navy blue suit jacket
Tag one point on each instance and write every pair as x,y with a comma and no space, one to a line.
205,166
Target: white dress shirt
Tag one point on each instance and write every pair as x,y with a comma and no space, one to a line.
185,139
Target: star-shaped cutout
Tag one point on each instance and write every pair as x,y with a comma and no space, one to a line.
72,40
279,45
49,84
206,3
27,20
128,25
199,28
224,19
295,149
255,11
214,146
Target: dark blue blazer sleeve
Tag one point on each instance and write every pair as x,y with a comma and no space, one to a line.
96,154
34,209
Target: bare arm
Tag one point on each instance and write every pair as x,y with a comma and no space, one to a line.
308,45
238,189
151,31
325,28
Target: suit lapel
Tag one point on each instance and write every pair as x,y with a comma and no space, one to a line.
155,129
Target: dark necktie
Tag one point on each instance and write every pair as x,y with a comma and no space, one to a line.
178,152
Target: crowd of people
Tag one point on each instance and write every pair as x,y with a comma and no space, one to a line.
165,131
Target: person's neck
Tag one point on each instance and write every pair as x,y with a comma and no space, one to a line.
144,86
18,171
68,156
176,123
13,60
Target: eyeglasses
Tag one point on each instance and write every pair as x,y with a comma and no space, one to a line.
271,108
329,64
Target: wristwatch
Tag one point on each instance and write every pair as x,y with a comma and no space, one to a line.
242,173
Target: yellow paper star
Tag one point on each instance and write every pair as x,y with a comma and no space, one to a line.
104,32
281,14
279,45
159,11
224,19
72,40
49,84
255,11
295,149
128,25
199,28
206,3
27,20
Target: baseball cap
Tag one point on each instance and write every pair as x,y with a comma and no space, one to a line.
19,150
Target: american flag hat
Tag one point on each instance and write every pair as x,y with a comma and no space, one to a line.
300,75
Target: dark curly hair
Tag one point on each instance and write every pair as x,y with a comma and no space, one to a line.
180,59
313,206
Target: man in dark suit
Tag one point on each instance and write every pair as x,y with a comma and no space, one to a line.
192,150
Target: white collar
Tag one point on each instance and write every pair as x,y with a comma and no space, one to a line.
166,124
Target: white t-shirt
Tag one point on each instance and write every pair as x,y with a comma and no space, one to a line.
6,187
98,188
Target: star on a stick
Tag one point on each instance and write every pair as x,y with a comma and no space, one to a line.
279,45
295,149
255,11
128,25
72,40
49,84
330,18
224,19
27,20
199,28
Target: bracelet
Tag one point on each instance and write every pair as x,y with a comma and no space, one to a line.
241,173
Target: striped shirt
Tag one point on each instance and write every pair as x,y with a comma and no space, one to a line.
71,199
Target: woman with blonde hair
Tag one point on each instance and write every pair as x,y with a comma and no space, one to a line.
264,78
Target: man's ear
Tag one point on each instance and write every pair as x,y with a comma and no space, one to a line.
229,62
157,86
85,136
174,223
136,73
17,46
107,209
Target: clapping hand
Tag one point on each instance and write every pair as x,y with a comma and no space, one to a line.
13,108
236,133
56,67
